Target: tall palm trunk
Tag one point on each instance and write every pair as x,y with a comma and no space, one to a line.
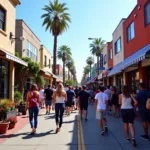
90,72
54,58
64,72
68,75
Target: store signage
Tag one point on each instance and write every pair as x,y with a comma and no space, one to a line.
101,62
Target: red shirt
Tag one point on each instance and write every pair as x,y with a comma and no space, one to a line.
33,99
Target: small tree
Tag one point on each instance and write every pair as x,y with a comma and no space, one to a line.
70,82
25,72
40,80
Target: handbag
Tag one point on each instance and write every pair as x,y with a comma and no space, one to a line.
148,104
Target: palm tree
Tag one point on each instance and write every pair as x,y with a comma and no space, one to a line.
90,61
97,47
64,53
56,20
69,65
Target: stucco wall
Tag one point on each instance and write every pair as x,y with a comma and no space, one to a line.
118,33
10,26
23,30
142,32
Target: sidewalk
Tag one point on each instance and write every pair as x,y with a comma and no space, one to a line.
75,135
45,139
115,137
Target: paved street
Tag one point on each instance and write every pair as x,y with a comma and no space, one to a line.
73,136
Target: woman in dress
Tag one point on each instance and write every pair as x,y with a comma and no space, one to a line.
59,99
115,101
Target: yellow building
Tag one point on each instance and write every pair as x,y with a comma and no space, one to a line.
46,65
7,47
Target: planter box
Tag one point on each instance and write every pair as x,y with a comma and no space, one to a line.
6,116
22,109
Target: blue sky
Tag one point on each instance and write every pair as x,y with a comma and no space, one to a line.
90,18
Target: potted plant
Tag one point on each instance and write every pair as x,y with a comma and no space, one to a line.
4,125
13,121
22,107
7,109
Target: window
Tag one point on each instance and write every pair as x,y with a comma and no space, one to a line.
130,31
2,18
45,60
118,46
110,54
147,13
49,63
105,59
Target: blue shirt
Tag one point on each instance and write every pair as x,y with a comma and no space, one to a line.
70,96
142,98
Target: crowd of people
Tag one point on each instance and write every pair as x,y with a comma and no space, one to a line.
107,102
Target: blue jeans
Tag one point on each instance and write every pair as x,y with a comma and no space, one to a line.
59,111
33,114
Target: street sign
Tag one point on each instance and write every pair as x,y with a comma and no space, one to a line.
101,60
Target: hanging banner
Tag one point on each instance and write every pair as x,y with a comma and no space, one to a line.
101,62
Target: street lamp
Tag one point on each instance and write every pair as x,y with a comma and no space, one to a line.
11,36
91,38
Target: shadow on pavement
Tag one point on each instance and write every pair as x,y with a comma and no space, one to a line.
27,135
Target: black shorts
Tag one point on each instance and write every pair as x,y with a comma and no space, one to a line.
68,104
145,116
127,115
84,107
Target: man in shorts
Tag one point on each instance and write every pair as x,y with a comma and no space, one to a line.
142,98
69,101
48,99
101,101
83,102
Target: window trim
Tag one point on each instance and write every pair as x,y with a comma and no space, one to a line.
128,40
105,57
5,15
45,61
148,2
120,45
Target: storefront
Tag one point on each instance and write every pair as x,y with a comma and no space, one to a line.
119,82
4,78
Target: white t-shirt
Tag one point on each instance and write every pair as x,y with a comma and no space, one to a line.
41,93
108,92
101,98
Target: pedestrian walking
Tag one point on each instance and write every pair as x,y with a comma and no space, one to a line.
42,101
83,102
127,112
101,101
142,98
59,99
33,101
109,105
115,101
76,91
70,96
48,99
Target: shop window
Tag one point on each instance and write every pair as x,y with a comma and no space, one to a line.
49,63
2,18
4,78
147,13
118,46
130,32
110,54
45,60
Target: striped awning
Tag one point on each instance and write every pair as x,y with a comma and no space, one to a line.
115,70
12,57
135,58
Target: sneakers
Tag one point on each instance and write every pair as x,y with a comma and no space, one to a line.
134,142
146,137
102,133
106,129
